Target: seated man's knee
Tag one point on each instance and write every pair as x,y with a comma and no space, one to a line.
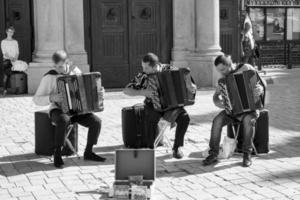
96,121
185,118
218,120
63,120
249,120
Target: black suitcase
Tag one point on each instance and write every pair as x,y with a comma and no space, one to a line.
261,138
44,136
134,127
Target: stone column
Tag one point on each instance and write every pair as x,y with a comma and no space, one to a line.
58,25
74,33
48,29
183,31
207,42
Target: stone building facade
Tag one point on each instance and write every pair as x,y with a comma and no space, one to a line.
61,24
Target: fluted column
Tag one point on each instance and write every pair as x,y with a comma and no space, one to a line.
207,42
58,24
74,32
183,30
48,29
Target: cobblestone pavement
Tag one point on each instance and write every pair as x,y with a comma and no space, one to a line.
25,176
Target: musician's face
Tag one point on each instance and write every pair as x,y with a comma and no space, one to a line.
61,67
223,69
147,68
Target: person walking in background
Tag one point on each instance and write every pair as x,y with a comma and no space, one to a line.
10,51
248,45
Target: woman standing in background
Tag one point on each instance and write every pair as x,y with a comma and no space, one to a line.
10,51
248,44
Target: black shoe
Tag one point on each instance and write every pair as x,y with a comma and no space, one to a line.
209,160
247,162
93,157
177,153
58,161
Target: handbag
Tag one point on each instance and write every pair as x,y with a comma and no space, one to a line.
19,66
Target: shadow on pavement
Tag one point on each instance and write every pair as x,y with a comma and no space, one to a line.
28,163
108,148
203,118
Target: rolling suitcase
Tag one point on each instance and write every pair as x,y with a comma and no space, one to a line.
134,127
44,136
261,138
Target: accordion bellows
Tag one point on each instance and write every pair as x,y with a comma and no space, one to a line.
237,91
80,93
174,88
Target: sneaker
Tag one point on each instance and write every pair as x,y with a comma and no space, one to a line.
209,160
247,162
93,157
177,153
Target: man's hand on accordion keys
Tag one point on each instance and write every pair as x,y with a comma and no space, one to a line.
258,90
56,98
101,93
148,93
219,103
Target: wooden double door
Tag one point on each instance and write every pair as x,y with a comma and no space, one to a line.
17,13
122,31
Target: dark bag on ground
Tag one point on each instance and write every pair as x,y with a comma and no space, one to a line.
44,136
18,83
134,127
261,138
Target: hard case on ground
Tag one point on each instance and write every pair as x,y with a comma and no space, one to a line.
261,138
133,164
133,127
44,135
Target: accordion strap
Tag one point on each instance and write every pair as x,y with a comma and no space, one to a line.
51,72
237,68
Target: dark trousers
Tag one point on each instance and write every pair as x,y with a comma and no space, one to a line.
7,73
153,117
61,121
221,120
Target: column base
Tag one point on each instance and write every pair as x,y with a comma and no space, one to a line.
203,69
37,70
179,57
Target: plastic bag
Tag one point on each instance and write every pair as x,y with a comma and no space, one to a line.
227,148
19,66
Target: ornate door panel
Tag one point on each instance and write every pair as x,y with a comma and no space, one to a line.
229,36
144,31
110,41
122,31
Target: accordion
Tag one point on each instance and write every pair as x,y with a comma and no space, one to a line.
237,91
174,88
80,93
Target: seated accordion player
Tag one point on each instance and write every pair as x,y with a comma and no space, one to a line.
237,92
81,93
174,88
